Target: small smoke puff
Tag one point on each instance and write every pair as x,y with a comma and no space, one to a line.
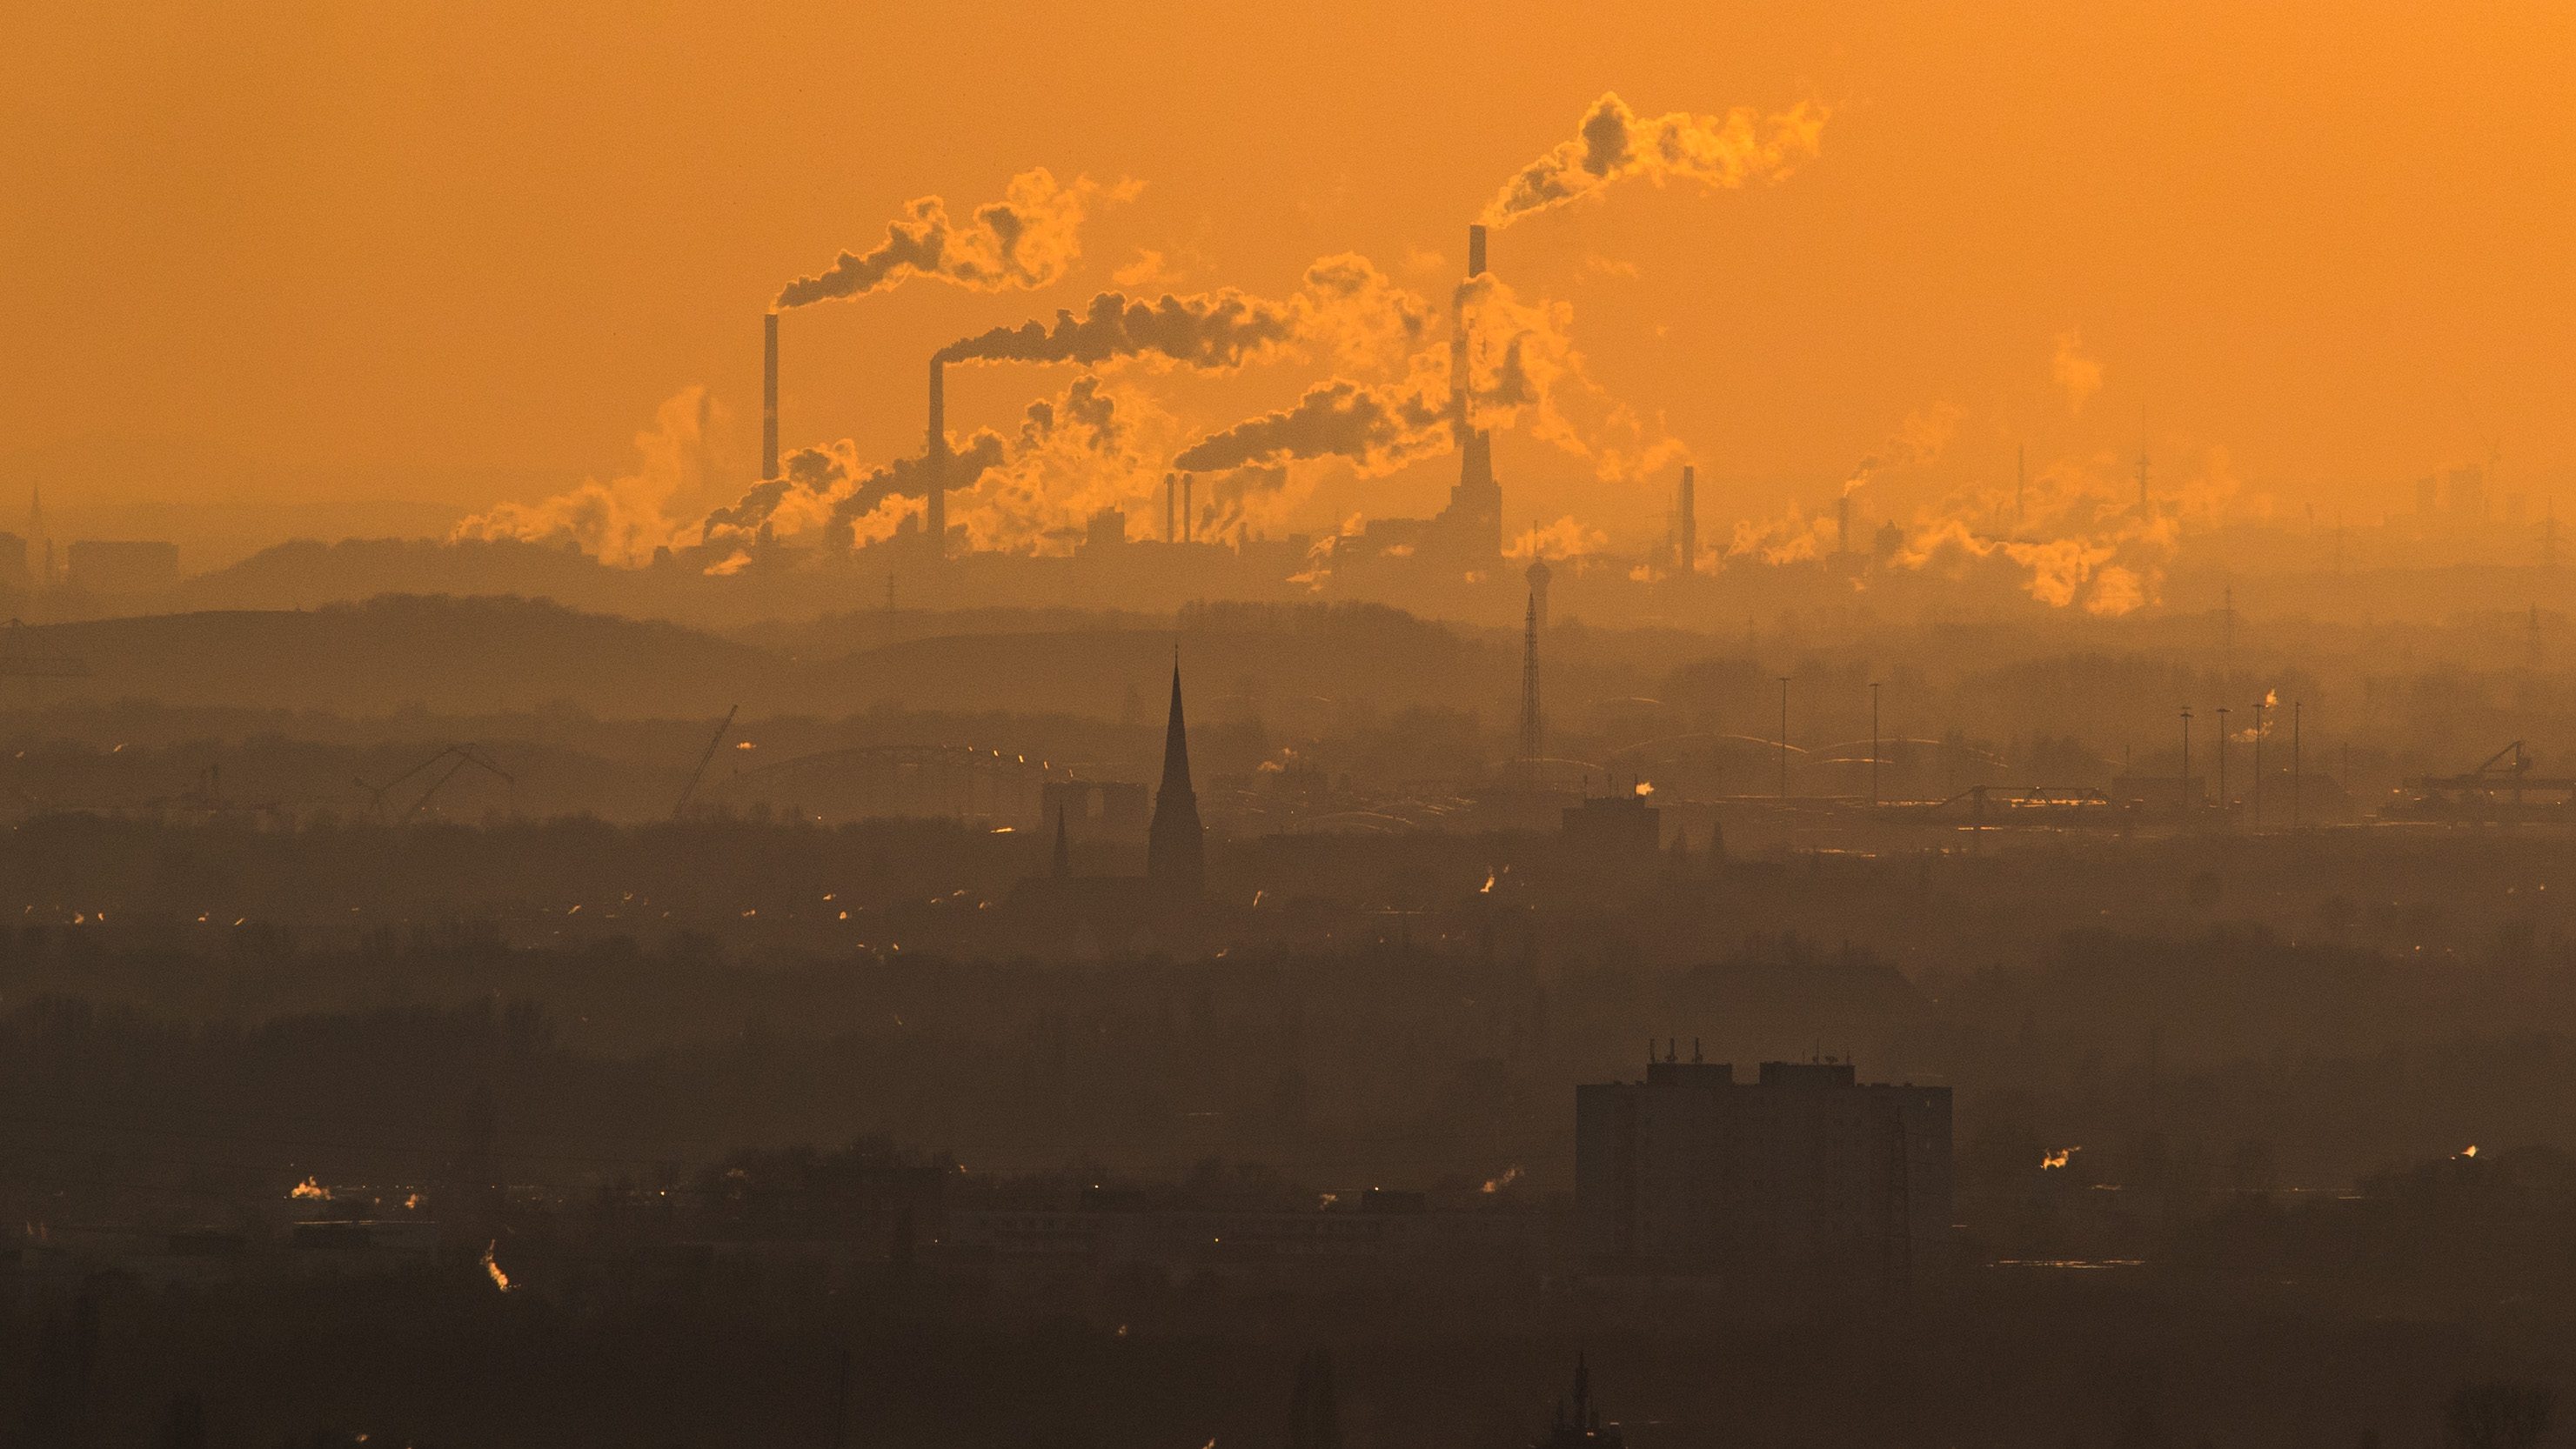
2076,375
1563,539
1026,240
1150,269
1613,143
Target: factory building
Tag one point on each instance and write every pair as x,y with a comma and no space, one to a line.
1804,1179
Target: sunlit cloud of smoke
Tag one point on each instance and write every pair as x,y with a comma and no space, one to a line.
1613,143
1027,240
621,522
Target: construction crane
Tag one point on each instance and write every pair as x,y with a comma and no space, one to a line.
700,773
2493,792
456,757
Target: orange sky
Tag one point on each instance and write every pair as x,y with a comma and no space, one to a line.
452,253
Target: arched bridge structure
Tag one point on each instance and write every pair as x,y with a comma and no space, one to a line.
972,783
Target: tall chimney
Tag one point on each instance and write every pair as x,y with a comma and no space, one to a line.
1688,542
1171,508
1189,524
1476,250
935,500
769,395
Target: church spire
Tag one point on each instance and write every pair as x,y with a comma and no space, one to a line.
1176,844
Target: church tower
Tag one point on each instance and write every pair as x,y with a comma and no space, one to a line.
1176,844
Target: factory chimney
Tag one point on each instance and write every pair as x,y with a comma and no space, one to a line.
1171,508
1189,523
935,495
1686,538
769,396
1473,521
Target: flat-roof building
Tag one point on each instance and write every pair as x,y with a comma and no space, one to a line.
1805,1177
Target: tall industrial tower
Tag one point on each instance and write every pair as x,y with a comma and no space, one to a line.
934,512
1533,730
1471,527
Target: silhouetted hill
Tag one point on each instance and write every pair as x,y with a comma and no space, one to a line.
449,654
1277,662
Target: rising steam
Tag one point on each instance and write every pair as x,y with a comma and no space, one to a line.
1026,240
623,521
2077,375
1614,143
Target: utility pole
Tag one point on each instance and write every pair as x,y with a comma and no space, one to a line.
1784,737
2183,793
1873,743
2222,762
2258,764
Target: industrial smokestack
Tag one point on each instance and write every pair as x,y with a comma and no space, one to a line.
769,396
1189,523
1687,543
1171,508
935,510
1476,250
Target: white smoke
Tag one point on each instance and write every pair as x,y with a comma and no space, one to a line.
622,522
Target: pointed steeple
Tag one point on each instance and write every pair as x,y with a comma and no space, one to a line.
1176,844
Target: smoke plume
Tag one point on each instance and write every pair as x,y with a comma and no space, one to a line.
1030,490
1379,429
1614,143
1026,240
1566,538
1917,442
623,521
2076,375
1210,331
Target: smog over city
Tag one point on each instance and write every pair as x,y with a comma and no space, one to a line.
1146,727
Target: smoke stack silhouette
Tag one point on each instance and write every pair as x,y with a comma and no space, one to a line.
1189,520
769,396
935,502
1476,249
1686,539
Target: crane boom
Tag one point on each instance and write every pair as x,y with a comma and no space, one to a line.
691,789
